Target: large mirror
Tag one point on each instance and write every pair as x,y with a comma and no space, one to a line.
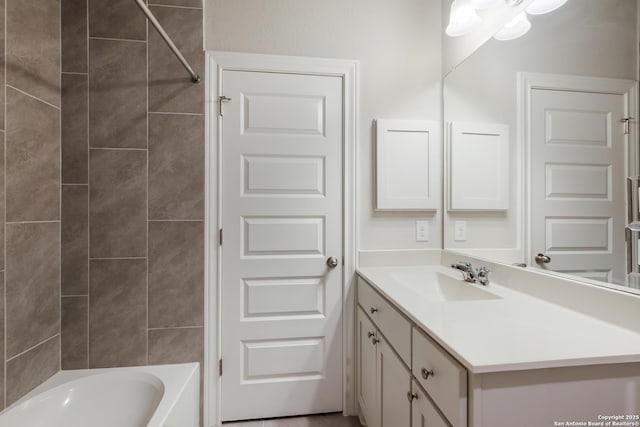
538,145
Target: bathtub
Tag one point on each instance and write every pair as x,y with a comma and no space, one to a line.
145,396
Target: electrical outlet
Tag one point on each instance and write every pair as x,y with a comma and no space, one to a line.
422,231
460,231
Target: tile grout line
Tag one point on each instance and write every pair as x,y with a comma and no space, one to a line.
114,39
88,137
22,353
60,200
71,184
176,220
147,225
4,207
175,113
171,6
32,96
117,148
115,258
52,221
165,328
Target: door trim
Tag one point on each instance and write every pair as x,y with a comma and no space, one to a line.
216,63
527,82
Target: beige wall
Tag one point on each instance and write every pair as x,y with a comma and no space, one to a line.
398,46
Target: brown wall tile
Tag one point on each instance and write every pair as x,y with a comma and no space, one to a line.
118,85
2,61
75,333
118,19
33,47
2,333
32,284
176,274
75,128
27,371
33,159
118,203
118,313
181,345
75,240
183,3
74,36
170,87
176,166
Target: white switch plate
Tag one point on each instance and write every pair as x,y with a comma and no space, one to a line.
422,231
460,231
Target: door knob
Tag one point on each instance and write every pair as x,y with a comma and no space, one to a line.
543,259
332,262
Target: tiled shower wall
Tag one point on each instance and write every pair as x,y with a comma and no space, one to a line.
29,195
132,185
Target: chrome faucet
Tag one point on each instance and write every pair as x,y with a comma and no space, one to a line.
471,275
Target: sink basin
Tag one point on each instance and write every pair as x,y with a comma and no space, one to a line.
441,287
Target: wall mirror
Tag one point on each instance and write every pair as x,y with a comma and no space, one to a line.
559,96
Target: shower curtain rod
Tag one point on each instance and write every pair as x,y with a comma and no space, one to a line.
145,9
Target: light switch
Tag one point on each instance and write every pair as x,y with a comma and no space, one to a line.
422,231
460,231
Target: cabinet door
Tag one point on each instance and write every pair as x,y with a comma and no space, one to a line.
367,369
394,382
423,411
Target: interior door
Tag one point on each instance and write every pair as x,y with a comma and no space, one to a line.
281,207
577,182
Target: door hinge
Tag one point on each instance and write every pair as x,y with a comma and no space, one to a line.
222,99
220,237
625,124
220,367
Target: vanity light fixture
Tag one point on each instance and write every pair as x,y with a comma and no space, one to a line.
540,7
515,28
484,4
462,19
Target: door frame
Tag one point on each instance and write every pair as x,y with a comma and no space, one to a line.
527,82
216,63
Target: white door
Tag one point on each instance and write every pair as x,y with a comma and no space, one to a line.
281,161
577,182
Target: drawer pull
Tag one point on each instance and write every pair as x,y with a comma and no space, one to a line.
370,334
412,396
426,373
375,340
373,310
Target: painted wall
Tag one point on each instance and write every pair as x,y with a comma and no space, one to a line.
585,37
132,185
398,46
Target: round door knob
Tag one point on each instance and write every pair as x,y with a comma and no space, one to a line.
332,262
426,373
543,259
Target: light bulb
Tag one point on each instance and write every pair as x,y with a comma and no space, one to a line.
515,28
540,7
463,18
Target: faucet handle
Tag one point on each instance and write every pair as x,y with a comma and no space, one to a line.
483,276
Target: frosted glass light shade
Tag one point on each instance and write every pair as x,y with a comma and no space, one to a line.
517,27
540,7
463,18
484,4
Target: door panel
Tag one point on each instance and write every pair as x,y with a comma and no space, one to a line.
578,180
394,384
367,369
281,162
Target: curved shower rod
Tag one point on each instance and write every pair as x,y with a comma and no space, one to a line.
145,9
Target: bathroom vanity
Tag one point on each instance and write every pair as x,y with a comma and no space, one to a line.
434,350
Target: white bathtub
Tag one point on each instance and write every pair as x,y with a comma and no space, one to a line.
145,396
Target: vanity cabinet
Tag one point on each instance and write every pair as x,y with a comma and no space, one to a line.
393,392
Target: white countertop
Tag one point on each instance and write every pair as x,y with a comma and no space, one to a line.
510,331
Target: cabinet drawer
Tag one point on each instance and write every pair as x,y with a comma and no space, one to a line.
443,378
393,325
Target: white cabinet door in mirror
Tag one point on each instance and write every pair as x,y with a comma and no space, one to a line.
478,166
407,165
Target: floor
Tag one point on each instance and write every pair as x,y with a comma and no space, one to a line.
324,420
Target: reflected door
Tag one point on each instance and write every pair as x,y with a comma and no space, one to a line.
577,183
282,144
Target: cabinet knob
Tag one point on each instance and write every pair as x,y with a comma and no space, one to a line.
375,340
370,334
373,310
411,396
426,373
